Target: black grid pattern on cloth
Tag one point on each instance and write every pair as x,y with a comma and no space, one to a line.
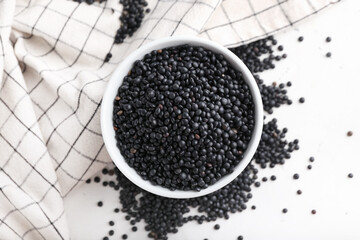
51,91
213,31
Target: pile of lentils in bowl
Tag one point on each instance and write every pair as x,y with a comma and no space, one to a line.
183,117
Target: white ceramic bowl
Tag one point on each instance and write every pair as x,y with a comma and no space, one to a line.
117,79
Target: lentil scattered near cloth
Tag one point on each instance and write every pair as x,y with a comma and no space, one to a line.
132,15
164,215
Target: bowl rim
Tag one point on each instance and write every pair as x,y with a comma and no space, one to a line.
116,80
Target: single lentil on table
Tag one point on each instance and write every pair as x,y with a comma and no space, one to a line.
163,215
186,119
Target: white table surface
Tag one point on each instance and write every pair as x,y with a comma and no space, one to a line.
331,87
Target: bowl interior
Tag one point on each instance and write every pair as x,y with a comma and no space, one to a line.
117,79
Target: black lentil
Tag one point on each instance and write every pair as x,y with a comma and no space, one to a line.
301,100
116,210
124,236
349,133
105,238
280,48
175,132
100,203
88,181
311,159
217,227
328,54
264,179
97,179
350,175
240,238
253,207
284,210
273,178
163,215
107,58
131,18
313,211
258,57
296,176
111,223
309,167
105,183
299,192
134,229
328,39
111,232
301,38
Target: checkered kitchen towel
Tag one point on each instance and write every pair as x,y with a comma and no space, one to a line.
52,77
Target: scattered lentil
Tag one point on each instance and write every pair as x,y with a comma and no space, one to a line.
350,175
328,54
100,203
328,39
111,223
253,207
88,181
301,38
264,179
134,229
349,133
296,176
311,159
108,57
217,227
301,100
309,167
124,236
96,179
273,178
313,211
240,238
284,210
131,18
299,192
163,215
111,232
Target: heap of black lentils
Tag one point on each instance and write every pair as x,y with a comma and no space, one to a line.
183,117
163,215
132,15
